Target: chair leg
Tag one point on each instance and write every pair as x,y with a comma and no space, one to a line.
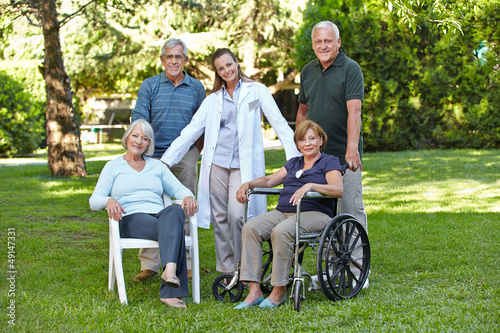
111,273
120,279
195,263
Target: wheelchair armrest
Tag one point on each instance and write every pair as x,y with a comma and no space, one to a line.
313,194
277,191
264,190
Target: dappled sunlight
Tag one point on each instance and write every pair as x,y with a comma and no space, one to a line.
432,181
60,189
446,196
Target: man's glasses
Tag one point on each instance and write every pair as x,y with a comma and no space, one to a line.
172,56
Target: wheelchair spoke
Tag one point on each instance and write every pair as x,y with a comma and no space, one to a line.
343,258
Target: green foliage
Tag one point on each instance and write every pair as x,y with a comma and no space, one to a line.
113,51
423,89
21,118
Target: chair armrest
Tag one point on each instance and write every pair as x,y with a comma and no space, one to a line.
265,190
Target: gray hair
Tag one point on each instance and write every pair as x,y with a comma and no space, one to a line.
326,24
172,42
147,130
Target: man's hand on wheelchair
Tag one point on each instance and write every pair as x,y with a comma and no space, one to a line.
354,159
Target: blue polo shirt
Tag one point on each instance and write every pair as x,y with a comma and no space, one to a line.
315,175
168,108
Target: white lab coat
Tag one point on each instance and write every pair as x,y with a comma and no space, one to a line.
254,100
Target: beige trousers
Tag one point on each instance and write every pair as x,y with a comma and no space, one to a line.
227,216
352,199
187,173
352,203
280,228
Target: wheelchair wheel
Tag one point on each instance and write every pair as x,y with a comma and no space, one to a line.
267,259
343,261
297,295
220,292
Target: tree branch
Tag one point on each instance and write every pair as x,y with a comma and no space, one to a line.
277,86
80,10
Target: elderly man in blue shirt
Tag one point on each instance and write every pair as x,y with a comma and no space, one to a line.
168,101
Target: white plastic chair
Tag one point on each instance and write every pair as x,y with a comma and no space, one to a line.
117,244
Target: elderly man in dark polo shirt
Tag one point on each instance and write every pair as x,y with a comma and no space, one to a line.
168,101
331,94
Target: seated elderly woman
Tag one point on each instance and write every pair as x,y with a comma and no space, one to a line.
314,171
130,187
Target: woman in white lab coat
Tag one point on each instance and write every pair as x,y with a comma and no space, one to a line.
233,152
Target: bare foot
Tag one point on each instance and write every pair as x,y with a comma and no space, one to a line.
173,302
277,294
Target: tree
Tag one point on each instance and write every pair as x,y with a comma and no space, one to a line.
121,49
448,15
65,156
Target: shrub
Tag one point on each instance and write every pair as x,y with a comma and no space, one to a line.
21,119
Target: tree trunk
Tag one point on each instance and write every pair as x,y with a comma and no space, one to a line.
65,155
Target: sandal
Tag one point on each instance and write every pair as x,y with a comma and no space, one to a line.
174,302
171,281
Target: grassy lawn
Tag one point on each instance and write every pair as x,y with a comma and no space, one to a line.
434,227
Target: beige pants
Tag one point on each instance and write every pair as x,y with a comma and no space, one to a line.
187,173
280,228
352,203
352,199
227,215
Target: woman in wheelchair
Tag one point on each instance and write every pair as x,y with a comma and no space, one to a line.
130,187
314,171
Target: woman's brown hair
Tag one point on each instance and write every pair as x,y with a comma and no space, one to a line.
301,129
218,81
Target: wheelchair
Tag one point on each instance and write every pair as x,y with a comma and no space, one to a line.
342,252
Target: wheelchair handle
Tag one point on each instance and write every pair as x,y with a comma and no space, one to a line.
344,167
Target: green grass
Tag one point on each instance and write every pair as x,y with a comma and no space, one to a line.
434,229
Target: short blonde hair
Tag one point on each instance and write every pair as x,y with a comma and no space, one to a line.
147,130
301,129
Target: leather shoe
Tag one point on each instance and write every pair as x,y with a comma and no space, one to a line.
268,304
144,275
244,305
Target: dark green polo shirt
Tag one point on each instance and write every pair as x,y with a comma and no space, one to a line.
326,93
